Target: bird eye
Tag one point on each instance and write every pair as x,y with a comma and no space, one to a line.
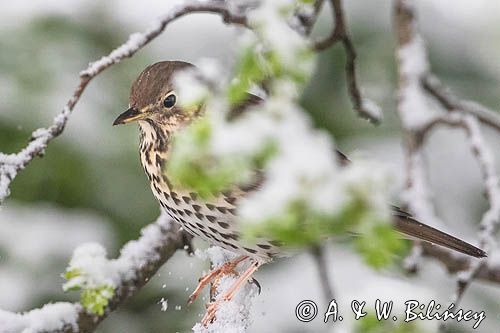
169,101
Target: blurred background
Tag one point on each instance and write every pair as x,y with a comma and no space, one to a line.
90,186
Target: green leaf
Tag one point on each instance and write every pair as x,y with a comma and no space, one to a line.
95,300
299,225
72,273
250,69
379,243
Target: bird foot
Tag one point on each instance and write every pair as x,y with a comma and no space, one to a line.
210,314
229,294
215,276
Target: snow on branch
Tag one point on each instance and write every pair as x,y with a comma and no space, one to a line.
416,82
451,102
139,260
11,164
56,317
414,114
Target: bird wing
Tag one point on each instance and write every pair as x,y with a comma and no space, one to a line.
405,223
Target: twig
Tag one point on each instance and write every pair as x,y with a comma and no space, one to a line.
318,254
451,103
491,219
412,65
339,29
455,263
364,108
307,20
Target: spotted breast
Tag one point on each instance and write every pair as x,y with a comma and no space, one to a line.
214,220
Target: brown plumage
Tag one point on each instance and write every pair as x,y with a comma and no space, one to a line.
153,104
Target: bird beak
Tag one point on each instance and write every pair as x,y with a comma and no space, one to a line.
131,114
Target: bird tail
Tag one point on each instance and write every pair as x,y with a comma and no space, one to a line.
406,224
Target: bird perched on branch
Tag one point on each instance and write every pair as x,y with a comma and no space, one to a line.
154,104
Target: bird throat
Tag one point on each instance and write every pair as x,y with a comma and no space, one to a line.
155,144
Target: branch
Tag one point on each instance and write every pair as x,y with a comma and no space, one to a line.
491,219
11,164
415,79
452,103
307,20
456,263
412,65
318,254
365,108
140,260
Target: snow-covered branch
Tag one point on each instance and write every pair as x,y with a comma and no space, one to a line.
412,110
139,260
12,164
416,82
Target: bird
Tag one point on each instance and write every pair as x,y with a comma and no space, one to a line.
154,104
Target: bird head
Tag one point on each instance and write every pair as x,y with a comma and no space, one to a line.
153,98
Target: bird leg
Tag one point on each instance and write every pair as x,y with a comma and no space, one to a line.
229,294
215,274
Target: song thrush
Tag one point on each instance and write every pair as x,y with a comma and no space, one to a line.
153,103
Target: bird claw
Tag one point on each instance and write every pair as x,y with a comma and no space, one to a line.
210,314
215,276
256,283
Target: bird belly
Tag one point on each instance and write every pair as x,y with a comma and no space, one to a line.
213,222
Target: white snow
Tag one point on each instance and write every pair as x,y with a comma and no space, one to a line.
270,22
189,88
491,219
414,110
372,109
134,42
50,317
164,304
90,259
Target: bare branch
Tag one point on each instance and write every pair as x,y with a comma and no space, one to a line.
319,256
339,29
364,108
